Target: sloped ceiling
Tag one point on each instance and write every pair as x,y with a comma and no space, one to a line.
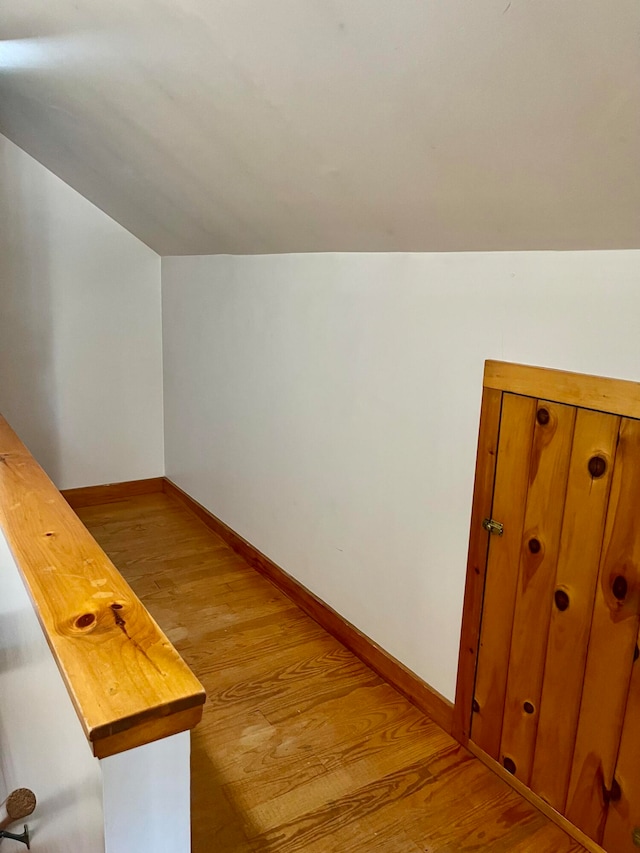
247,126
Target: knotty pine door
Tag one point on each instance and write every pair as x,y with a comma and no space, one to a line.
557,691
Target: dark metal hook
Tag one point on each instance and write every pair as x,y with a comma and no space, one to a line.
25,837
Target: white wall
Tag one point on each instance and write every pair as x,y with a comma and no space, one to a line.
134,801
80,331
42,745
147,798
326,407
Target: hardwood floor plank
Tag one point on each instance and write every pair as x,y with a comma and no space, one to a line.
301,747
333,816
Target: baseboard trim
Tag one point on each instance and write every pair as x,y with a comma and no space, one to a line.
417,691
111,492
535,800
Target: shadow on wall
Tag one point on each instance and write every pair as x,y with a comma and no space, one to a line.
4,789
42,745
27,365
15,654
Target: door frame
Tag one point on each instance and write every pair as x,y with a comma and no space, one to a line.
612,396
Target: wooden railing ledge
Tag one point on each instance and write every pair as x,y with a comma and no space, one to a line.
128,684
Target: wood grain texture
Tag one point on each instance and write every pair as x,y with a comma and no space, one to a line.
512,480
548,471
612,643
623,817
121,671
414,688
96,495
302,748
559,819
613,396
581,541
476,561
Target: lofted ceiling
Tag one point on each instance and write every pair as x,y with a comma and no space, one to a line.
247,126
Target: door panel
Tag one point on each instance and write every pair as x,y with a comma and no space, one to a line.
511,483
623,819
556,610
612,643
548,471
581,541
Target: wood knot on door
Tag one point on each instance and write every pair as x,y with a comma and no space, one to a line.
561,599
509,765
619,587
597,466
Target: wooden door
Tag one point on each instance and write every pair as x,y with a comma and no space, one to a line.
559,623
622,828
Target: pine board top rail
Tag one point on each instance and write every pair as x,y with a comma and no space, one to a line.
600,393
128,685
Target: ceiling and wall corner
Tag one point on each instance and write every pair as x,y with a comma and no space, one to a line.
207,126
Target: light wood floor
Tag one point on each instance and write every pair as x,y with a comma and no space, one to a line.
301,748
